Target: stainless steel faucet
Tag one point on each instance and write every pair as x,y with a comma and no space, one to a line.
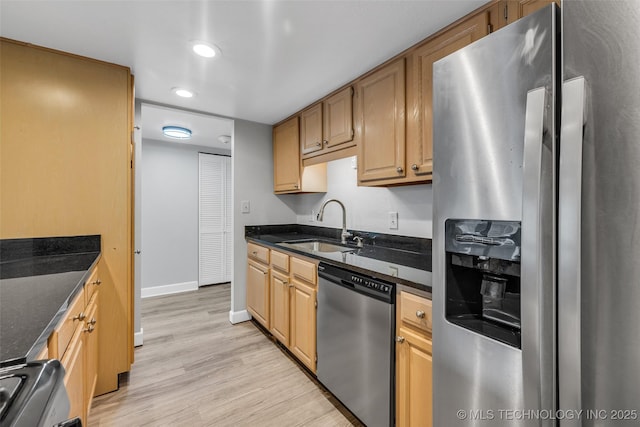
345,233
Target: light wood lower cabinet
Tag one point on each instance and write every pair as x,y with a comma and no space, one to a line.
303,323
414,384
282,297
258,291
75,343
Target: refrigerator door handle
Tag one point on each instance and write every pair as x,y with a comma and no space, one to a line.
569,246
537,260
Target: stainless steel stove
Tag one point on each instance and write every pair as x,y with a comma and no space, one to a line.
33,394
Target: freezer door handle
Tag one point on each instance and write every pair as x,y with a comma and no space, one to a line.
537,256
569,246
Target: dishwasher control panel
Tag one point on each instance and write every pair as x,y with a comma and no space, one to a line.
371,284
359,282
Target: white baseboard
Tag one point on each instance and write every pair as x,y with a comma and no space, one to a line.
174,288
137,338
239,316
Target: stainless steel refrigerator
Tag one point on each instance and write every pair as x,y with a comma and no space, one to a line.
536,244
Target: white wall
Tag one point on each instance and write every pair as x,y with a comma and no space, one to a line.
170,214
252,181
368,207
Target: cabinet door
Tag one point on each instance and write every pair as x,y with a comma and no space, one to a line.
381,124
91,331
258,292
73,362
527,7
338,119
420,89
414,395
280,307
303,324
311,129
286,156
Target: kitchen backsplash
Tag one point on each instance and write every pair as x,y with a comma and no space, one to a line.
367,207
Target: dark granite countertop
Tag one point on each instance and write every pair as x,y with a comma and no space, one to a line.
398,259
38,280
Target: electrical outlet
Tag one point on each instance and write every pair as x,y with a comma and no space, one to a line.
245,206
393,271
393,220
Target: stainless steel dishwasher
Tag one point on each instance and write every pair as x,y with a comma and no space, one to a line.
355,327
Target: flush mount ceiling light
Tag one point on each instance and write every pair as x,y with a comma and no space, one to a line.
225,139
206,50
176,132
184,93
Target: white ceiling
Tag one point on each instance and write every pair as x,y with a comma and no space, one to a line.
205,128
277,56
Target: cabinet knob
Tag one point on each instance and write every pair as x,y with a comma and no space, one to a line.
97,282
80,316
400,339
90,329
137,252
326,142
295,186
92,321
318,144
399,169
420,314
414,167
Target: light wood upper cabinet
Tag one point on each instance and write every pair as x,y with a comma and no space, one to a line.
288,174
527,7
337,123
311,129
420,89
286,157
380,129
327,126
414,370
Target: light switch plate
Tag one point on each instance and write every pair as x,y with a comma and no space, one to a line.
393,220
245,206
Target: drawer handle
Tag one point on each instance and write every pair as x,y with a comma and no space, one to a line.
400,339
254,253
92,321
97,282
420,314
90,329
80,316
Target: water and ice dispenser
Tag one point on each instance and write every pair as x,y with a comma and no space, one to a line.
483,277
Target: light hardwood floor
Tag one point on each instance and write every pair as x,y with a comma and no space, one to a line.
196,369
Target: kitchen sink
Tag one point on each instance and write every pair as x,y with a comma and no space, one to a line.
317,246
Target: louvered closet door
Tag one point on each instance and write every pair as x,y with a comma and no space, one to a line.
215,219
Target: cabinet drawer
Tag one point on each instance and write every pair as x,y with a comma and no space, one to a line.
280,261
415,311
304,270
259,253
61,336
91,285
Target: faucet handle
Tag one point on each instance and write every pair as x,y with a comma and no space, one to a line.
358,240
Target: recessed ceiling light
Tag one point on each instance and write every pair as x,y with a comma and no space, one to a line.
206,50
184,93
176,132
